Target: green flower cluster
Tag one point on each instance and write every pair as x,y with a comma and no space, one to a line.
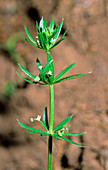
47,36
58,132
46,76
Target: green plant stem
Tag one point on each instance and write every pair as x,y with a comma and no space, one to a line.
50,153
51,108
50,126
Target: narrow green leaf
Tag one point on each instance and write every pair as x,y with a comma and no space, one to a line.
45,68
43,125
51,36
38,64
31,43
46,40
45,118
25,78
37,27
56,43
71,141
51,67
60,125
64,33
45,37
56,137
41,25
44,24
41,40
51,25
26,72
61,39
72,134
40,83
36,133
71,77
34,44
43,78
30,128
30,37
63,72
44,135
39,46
58,30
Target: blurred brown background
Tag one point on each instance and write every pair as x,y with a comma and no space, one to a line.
86,98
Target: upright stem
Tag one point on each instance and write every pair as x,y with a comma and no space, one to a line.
51,108
50,153
50,126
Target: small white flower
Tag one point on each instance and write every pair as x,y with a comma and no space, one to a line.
52,40
63,129
37,78
40,67
38,41
61,133
50,72
38,118
32,119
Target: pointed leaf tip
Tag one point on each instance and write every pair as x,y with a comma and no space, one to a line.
58,30
64,72
29,36
85,132
26,72
71,77
74,143
31,129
